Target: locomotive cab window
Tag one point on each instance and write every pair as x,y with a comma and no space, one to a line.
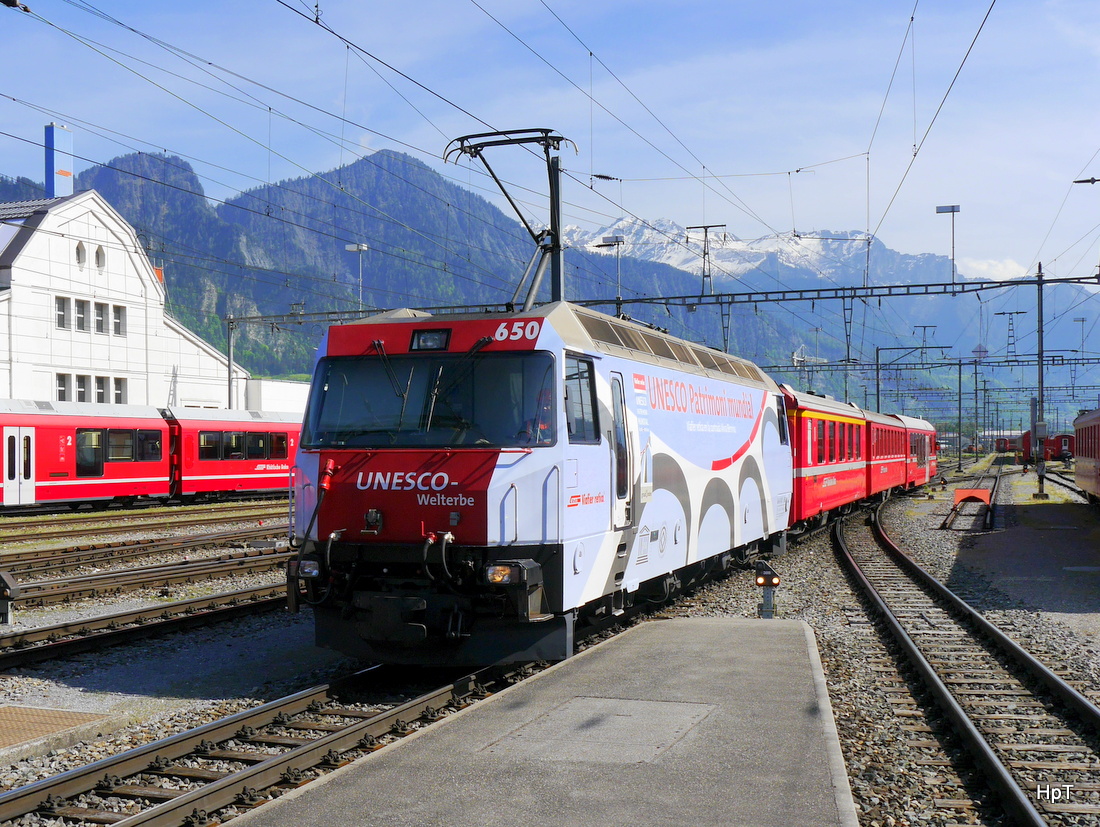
580,400
437,400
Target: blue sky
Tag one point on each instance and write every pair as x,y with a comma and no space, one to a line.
778,105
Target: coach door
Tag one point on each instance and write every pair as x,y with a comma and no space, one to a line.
18,457
621,471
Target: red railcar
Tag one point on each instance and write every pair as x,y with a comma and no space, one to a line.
1055,446
887,451
72,452
843,455
1086,470
920,464
217,451
828,442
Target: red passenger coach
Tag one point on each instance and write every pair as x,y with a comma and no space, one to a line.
1086,470
216,451
920,466
76,452
828,440
57,452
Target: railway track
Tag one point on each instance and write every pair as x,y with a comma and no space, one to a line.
109,524
245,760
1033,736
39,562
115,582
92,634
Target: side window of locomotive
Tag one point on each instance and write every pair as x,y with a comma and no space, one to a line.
256,446
149,446
278,446
120,445
210,445
580,400
89,452
781,410
233,445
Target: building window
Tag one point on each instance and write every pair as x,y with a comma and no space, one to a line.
100,318
62,306
63,386
118,318
81,314
120,391
81,255
101,389
100,257
82,384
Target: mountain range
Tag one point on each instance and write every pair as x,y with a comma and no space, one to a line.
432,243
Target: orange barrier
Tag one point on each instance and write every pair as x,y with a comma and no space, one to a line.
977,494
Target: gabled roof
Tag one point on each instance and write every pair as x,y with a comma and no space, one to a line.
19,210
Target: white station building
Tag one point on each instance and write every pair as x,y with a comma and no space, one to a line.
82,317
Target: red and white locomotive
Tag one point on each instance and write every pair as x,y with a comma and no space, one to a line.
72,452
471,488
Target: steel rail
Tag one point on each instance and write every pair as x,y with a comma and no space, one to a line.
1015,801
194,805
66,639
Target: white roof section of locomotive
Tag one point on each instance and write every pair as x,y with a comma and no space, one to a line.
588,330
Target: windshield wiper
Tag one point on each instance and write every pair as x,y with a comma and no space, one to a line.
460,370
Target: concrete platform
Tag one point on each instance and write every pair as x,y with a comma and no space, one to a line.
719,721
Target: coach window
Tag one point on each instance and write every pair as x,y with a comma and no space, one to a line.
233,445
278,446
210,445
580,400
851,441
89,452
820,441
256,446
832,441
120,445
149,446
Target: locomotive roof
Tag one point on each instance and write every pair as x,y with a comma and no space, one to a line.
586,329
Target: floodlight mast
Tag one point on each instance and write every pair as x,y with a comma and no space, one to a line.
548,242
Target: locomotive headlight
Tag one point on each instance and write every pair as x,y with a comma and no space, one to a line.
309,569
505,574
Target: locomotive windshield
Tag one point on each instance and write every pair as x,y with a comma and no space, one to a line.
438,401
